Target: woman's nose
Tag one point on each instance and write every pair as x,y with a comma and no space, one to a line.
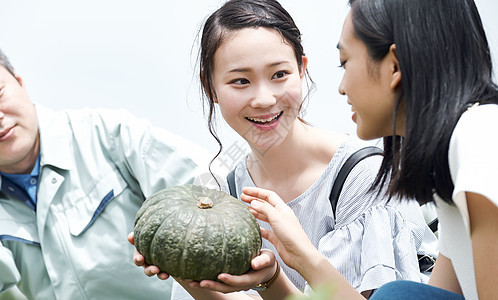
341,88
264,97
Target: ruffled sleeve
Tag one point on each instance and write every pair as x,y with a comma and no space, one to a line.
375,248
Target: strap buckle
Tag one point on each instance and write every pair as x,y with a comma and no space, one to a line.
426,262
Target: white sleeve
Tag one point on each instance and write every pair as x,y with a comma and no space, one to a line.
473,156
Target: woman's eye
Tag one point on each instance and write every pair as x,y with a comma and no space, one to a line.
240,81
342,65
279,74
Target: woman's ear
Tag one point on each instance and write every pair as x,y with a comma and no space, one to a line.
396,72
304,65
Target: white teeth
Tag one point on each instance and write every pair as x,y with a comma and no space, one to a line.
264,120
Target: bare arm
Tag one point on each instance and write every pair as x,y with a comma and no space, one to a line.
484,233
292,243
443,275
483,215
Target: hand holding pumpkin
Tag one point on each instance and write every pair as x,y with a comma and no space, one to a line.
263,268
288,237
179,228
139,260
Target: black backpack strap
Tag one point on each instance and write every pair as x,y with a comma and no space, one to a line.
231,183
433,224
346,168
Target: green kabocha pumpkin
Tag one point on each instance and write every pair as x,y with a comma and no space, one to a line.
192,232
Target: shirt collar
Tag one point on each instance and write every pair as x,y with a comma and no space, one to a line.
36,168
20,185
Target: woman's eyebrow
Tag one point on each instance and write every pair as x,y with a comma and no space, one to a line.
239,70
245,70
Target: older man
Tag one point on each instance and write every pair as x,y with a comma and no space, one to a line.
71,184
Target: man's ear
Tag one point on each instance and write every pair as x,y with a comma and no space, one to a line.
396,72
19,79
304,65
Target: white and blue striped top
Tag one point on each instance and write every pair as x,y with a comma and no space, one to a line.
371,242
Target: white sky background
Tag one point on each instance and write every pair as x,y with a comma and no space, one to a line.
141,55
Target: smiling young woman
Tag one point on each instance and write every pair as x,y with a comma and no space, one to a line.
372,87
258,86
252,68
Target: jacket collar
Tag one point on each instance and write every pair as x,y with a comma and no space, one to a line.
55,138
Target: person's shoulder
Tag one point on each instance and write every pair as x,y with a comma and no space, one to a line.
326,142
328,137
113,119
78,117
99,113
367,164
479,115
477,123
354,144
339,145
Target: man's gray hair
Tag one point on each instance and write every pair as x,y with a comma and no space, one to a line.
4,61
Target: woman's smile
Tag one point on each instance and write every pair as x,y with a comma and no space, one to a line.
258,85
266,119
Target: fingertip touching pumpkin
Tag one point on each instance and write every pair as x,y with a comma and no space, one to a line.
192,232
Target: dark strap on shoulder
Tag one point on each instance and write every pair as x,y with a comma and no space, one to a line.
231,183
433,224
346,168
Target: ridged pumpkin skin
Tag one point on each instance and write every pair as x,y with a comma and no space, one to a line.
189,242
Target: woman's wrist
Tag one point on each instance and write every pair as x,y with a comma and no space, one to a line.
266,284
309,263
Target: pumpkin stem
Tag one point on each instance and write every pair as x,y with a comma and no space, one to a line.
204,202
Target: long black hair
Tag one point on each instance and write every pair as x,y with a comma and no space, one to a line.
235,15
445,65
